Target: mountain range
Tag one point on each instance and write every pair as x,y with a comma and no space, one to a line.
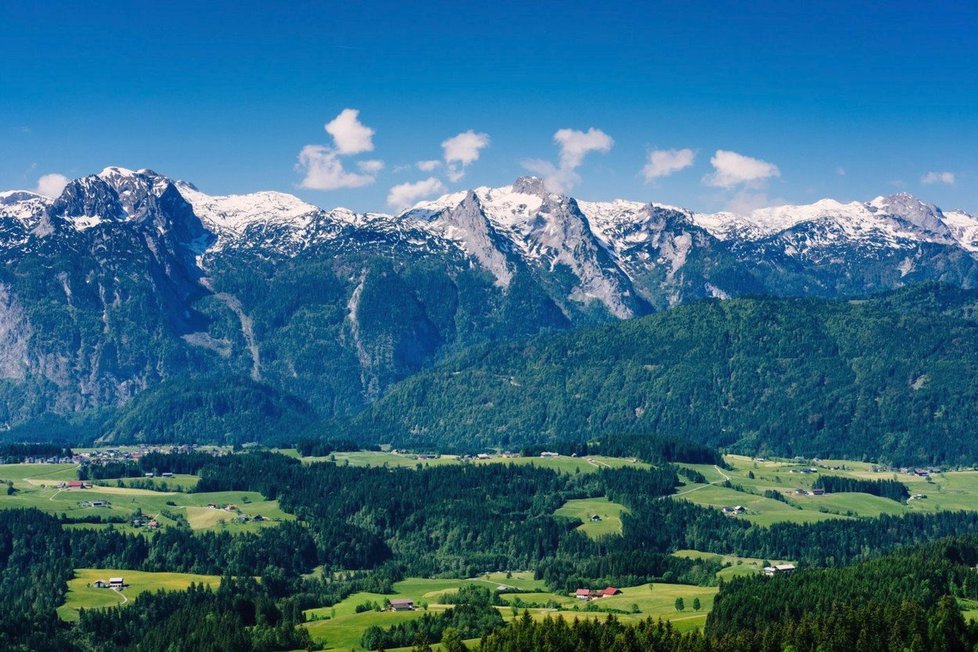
130,281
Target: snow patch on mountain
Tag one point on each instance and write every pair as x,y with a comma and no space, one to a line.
235,213
23,205
963,228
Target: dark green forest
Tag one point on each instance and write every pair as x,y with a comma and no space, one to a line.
893,378
891,489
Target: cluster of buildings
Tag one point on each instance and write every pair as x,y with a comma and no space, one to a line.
116,583
809,492
779,569
74,484
242,517
50,460
920,473
402,604
146,522
105,455
595,594
734,511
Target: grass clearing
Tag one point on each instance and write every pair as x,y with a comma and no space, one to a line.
586,509
736,566
83,595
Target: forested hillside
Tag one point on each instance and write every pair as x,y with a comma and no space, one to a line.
892,378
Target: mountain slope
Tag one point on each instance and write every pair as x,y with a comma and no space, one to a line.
130,279
883,378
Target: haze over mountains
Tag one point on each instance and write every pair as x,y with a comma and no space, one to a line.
129,279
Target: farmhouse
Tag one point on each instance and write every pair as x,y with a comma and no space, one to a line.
584,594
818,492
549,454
100,584
730,511
75,484
779,569
595,518
402,604
116,583
610,591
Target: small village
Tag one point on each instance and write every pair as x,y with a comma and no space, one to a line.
596,594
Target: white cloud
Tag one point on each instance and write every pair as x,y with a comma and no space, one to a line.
324,170
462,150
51,185
349,134
732,169
663,162
428,166
840,171
574,146
465,147
373,166
938,177
405,195
322,166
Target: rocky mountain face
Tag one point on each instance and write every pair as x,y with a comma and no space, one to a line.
129,279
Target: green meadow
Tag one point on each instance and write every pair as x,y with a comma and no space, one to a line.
82,593
340,627
734,566
949,490
36,485
607,513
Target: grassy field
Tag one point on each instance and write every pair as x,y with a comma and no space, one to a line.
182,481
37,486
969,609
737,566
390,459
340,627
952,490
584,509
82,595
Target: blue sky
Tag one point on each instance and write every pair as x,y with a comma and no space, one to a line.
746,103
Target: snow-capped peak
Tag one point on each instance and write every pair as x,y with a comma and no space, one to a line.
911,209
115,171
23,205
530,186
235,213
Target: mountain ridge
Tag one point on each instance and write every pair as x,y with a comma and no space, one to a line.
129,279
